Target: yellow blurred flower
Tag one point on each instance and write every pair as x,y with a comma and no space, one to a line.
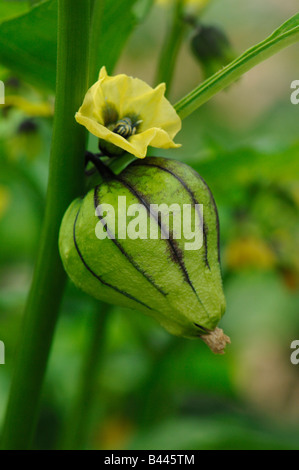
31,108
4,200
193,4
249,252
129,115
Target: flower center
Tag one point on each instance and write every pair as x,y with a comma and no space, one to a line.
125,127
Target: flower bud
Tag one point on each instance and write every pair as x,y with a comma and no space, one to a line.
211,46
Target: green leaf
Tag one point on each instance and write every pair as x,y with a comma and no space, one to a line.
287,26
245,164
28,43
118,22
142,8
9,10
283,37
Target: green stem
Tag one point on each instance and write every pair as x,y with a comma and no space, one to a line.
95,33
79,423
279,40
171,47
65,183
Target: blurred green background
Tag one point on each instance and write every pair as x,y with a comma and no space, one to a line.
154,391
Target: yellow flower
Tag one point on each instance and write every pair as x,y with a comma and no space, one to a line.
41,109
4,200
249,252
193,4
129,114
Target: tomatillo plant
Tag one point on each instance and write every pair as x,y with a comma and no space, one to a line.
185,294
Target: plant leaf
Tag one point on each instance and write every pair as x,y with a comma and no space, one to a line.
28,43
9,10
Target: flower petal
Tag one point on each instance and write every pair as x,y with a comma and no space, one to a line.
122,96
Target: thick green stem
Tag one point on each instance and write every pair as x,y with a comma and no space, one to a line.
65,183
171,47
79,423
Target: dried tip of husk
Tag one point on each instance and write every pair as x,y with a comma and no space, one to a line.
216,340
